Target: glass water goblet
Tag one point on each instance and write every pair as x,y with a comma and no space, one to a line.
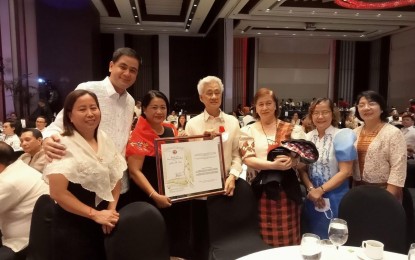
411,253
310,247
338,232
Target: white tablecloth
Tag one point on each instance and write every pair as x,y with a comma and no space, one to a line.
328,253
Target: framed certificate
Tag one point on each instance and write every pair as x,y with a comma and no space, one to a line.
190,167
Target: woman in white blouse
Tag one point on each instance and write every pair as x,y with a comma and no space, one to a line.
280,215
85,183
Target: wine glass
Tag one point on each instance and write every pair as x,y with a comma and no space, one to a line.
411,253
338,232
310,247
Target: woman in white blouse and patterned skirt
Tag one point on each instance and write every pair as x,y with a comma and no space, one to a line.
279,202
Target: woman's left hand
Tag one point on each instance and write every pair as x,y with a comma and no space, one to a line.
283,162
316,196
320,203
230,185
107,229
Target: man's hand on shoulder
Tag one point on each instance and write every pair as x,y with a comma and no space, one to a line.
53,148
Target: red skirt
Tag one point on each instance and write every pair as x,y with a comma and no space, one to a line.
279,221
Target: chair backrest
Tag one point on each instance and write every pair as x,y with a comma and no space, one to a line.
229,215
139,234
234,224
373,213
410,175
409,206
40,237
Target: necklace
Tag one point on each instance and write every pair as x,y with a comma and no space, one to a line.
269,141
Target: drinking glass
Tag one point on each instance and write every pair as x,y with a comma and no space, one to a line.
310,247
338,232
411,253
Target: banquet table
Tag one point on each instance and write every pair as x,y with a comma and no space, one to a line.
328,252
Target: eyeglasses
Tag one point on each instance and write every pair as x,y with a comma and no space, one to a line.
322,113
210,94
370,104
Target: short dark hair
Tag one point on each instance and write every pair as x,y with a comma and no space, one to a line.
7,155
70,100
35,132
12,123
153,94
335,119
266,92
373,96
125,51
40,116
16,124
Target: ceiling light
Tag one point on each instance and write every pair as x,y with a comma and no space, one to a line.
313,12
291,11
138,23
195,5
335,13
259,33
399,16
190,19
267,10
133,7
187,30
135,16
356,14
378,15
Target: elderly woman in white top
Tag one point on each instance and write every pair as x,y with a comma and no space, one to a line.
85,183
280,215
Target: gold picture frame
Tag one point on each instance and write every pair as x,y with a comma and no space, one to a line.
190,167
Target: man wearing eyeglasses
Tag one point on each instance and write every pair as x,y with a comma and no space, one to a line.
41,123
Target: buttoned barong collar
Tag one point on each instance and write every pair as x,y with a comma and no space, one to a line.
112,93
207,116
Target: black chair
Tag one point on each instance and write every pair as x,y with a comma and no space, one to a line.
373,213
140,234
40,236
233,224
409,206
410,175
